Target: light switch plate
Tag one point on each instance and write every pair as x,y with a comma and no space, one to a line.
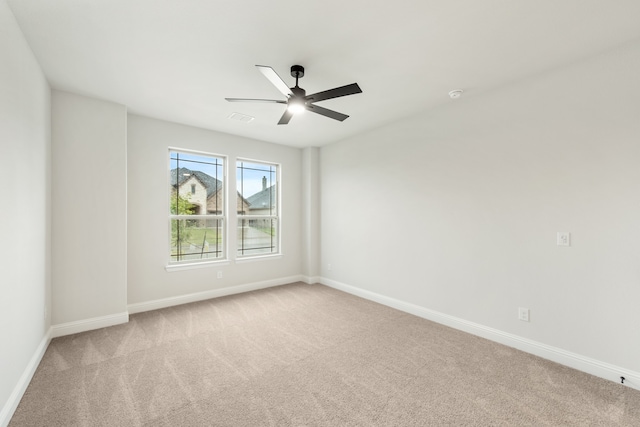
564,238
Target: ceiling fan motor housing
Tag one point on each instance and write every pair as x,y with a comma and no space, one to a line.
298,92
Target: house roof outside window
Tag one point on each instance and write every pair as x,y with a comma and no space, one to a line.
212,184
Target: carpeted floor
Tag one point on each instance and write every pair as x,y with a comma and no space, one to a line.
301,355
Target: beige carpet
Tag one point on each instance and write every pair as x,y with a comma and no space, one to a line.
301,355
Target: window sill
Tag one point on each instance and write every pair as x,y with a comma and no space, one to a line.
191,266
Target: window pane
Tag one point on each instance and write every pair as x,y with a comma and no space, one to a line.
196,184
257,185
196,239
196,207
257,236
257,189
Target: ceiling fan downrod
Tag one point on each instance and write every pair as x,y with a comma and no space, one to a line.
297,71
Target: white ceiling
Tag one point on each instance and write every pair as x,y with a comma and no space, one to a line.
178,59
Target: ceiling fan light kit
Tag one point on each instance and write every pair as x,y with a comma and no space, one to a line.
296,106
297,99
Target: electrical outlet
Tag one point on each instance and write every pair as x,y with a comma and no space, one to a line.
523,314
564,238
329,267
219,274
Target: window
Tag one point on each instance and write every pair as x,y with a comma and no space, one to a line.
258,208
196,207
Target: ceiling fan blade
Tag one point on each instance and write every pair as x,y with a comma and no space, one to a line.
285,117
326,112
275,79
275,101
351,89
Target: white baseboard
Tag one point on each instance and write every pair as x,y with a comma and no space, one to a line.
214,293
69,328
558,355
14,399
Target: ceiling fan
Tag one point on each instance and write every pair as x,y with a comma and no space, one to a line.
297,99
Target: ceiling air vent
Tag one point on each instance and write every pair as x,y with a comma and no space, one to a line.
241,117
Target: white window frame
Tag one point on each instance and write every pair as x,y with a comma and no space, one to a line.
222,216
277,217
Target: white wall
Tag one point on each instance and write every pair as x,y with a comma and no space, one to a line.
456,210
89,210
25,211
148,194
